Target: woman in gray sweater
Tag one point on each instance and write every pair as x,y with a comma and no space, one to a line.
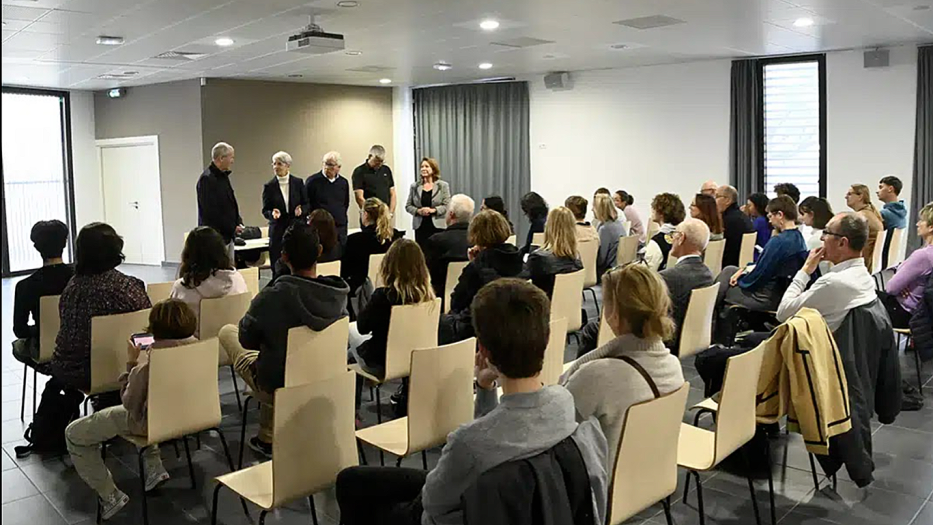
609,229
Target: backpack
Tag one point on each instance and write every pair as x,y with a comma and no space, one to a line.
57,408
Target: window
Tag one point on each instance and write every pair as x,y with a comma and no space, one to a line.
793,124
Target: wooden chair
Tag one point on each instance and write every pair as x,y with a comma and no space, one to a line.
567,300
627,227
747,249
894,248
329,268
159,292
310,357
251,276
217,313
375,264
671,260
50,323
712,257
314,441
876,262
901,333
653,229
588,251
440,400
553,365
454,269
537,239
696,332
263,262
513,240
605,332
627,250
645,470
701,450
109,336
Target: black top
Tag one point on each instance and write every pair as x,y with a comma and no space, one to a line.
543,266
426,196
48,280
503,260
537,226
354,267
374,319
217,206
374,183
735,224
664,241
281,269
331,196
444,247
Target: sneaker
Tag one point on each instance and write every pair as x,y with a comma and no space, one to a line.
112,504
156,478
260,446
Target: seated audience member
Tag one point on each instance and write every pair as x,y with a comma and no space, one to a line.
709,188
786,188
449,245
858,198
689,240
735,224
512,327
376,236
206,271
847,284
97,288
598,192
761,289
816,213
585,231
609,229
894,211
171,323
557,255
535,209
668,211
704,208
495,203
490,258
606,382
624,201
257,346
49,239
755,207
328,233
907,286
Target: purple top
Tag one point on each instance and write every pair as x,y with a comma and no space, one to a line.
911,277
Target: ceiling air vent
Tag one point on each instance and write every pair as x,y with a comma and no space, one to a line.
371,69
180,56
520,42
650,22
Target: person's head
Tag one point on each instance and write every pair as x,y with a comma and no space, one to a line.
405,271
460,209
300,248
603,209
376,214
511,318
844,237
726,196
690,238
534,206
323,223
330,164
637,302
925,223
667,208
577,205
171,319
782,212
98,249
889,188
620,199
704,208
858,197
377,156
281,164
495,203
815,212
756,206
709,188
430,170
560,233
489,228
49,238
786,188
204,253
601,191
222,156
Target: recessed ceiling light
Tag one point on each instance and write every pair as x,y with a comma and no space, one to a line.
442,66
921,7
489,25
224,41
485,65
353,52
348,3
803,22
110,40
385,81
130,73
295,75
618,46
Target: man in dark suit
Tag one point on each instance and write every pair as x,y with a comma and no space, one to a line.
217,206
283,202
735,224
329,190
449,245
690,272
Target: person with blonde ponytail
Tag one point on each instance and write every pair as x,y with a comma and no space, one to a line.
376,236
559,253
859,199
615,376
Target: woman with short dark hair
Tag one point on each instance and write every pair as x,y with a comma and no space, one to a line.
756,207
495,203
815,212
535,208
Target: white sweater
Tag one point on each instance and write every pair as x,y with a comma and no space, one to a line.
220,284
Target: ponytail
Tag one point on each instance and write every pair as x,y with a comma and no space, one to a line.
378,213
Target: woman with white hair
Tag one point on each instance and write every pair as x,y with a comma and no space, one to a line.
283,201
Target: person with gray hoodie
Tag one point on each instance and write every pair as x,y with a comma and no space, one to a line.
257,346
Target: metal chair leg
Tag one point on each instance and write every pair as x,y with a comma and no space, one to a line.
313,510
22,408
103,457
236,387
35,386
243,430
382,459
359,448
686,486
223,441
770,481
700,499
190,465
175,446
667,510
262,517
214,505
398,462
424,459
816,481
916,361
142,484
751,484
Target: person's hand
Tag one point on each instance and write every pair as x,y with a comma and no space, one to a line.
276,214
734,280
132,352
298,211
813,261
240,228
486,375
432,211
473,252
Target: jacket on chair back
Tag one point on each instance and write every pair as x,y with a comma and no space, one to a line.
921,323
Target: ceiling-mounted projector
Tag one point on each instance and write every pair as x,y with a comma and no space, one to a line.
315,41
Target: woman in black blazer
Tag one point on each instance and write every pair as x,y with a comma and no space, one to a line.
283,202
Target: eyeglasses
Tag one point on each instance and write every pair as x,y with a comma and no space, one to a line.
834,234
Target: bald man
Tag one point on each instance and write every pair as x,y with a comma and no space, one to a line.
709,188
689,240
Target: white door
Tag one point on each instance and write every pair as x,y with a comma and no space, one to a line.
132,196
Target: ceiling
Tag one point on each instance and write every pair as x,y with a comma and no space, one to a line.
52,43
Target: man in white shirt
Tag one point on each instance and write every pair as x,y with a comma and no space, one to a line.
847,285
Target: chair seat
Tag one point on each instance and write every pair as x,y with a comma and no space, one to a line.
696,449
707,404
391,436
253,483
902,331
359,371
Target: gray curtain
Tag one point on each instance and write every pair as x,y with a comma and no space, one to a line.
744,131
922,192
479,135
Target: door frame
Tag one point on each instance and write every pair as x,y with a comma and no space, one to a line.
122,142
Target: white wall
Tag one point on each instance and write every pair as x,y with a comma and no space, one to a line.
403,154
88,194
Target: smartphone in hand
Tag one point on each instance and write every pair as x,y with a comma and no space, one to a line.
142,340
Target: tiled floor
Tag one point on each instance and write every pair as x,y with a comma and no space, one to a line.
39,491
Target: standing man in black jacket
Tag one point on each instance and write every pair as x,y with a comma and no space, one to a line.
735,224
217,205
330,190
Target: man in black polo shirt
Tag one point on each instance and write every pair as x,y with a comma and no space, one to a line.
374,179
329,190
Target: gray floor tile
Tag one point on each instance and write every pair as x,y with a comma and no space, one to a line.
926,515
902,442
7,462
34,510
16,486
854,506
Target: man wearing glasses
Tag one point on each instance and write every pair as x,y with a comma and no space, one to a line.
329,190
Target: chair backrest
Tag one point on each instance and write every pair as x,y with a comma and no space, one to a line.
895,256
221,311
329,268
653,229
537,239
645,470
50,322
264,232
605,332
696,332
159,292
109,336
553,365
747,249
251,276
375,265
671,260
183,376
735,420
588,251
313,356
627,227
627,250
411,327
878,251
454,269
314,426
712,257
513,240
441,393
567,299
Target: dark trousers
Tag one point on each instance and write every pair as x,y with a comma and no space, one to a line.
900,318
342,235
425,231
380,495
